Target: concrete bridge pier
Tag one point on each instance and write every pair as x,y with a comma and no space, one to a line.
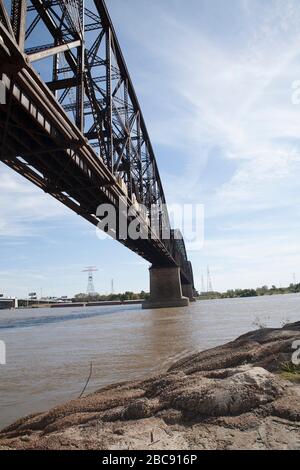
188,291
165,289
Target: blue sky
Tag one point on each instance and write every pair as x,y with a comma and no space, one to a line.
214,79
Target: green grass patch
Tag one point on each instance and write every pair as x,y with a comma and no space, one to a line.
290,371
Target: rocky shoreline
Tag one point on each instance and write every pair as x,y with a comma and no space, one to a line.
242,395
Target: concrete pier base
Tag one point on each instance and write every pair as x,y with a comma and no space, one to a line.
188,291
165,289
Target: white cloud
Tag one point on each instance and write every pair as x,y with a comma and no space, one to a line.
236,97
22,205
229,100
210,93
250,261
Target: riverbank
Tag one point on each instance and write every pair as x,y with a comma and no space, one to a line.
246,293
238,396
102,303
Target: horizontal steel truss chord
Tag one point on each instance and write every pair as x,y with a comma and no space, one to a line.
89,80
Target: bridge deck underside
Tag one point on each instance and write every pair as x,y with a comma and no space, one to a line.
39,141
30,146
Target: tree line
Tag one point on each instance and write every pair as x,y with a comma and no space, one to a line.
110,297
260,291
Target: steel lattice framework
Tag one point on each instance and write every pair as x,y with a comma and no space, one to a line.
80,134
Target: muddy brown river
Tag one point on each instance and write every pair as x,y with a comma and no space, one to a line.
49,351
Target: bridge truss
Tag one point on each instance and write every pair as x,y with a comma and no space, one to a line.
78,133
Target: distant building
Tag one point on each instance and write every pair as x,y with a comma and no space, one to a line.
64,298
8,302
48,299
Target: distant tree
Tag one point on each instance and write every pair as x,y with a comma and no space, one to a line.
264,290
248,293
143,295
230,294
80,297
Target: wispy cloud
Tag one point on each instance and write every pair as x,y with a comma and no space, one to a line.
215,83
216,96
222,119
22,206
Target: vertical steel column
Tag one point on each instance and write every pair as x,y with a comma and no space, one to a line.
128,137
80,71
55,67
18,14
139,154
4,18
80,89
109,101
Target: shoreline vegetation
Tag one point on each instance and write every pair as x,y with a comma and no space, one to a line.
128,295
141,296
243,293
242,395
88,299
230,294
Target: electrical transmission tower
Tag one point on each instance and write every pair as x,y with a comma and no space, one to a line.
90,286
209,283
112,287
202,285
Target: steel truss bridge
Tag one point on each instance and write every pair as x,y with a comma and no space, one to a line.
79,134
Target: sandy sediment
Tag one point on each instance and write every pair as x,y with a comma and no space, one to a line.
234,396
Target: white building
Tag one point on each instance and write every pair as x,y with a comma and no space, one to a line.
8,302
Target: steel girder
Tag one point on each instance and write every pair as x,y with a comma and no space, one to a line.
89,78
106,108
